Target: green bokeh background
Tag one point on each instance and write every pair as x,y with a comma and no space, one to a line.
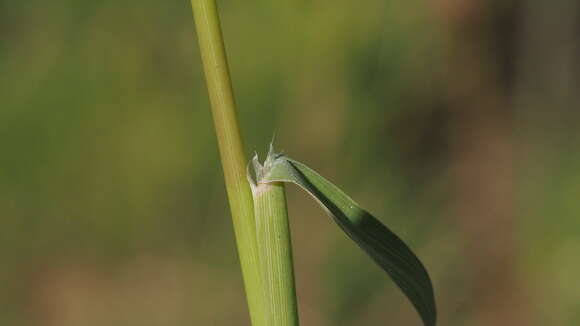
457,123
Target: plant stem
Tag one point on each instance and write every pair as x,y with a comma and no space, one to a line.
273,233
231,148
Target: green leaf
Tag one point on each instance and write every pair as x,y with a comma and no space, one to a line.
380,243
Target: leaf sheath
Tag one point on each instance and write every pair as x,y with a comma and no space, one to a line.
275,248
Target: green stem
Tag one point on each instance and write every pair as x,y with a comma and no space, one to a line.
273,233
231,148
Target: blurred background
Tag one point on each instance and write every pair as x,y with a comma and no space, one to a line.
456,122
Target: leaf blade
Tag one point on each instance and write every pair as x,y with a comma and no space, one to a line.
379,242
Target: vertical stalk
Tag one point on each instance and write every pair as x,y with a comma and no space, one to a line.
231,148
274,246
273,233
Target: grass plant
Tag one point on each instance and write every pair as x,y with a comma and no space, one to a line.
259,209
